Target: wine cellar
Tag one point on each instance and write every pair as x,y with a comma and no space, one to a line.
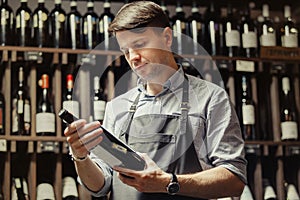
40,66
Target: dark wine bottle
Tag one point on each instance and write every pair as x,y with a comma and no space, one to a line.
7,24
45,117
99,101
248,109
21,116
289,126
2,114
289,31
90,27
195,28
165,9
212,30
74,24
249,33
40,25
57,25
232,33
23,24
267,32
105,19
179,28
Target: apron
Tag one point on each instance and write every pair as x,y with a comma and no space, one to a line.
168,143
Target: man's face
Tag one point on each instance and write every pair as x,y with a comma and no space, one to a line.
146,52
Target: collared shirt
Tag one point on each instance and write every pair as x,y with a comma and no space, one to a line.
218,139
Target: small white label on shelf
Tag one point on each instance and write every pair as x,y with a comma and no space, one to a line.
245,66
3,145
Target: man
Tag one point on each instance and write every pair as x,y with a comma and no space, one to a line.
184,127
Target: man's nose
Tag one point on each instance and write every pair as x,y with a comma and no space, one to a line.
133,55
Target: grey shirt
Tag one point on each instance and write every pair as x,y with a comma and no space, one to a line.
218,139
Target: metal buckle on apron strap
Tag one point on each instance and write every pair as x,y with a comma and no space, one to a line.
132,109
184,106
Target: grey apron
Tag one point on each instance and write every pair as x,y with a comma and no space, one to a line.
168,143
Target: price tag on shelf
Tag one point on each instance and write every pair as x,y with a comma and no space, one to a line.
3,145
48,146
245,66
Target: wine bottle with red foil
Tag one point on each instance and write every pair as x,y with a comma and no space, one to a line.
41,25
90,27
57,25
23,24
99,101
289,31
289,125
7,24
45,117
21,114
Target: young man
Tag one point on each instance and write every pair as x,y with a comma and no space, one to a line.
185,127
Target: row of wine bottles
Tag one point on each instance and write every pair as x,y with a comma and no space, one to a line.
235,34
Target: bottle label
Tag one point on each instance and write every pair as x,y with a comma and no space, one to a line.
72,107
20,106
45,122
268,40
249,40
69,187
289,40
232,38
289,130
3,17
248,113
14,116
45,191
99,110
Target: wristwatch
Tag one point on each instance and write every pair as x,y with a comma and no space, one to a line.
173,186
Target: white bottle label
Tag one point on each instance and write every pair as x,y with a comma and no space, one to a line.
69,187
289,130
72,107
45,191
249,40
99,110
248,113
289,40
269,193
232,38
268,40
45,122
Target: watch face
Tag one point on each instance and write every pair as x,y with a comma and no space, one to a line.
173,188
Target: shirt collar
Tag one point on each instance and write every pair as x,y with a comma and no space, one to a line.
171,84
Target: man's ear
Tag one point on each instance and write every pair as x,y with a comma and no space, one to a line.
168,36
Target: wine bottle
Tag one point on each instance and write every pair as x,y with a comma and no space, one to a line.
19,190
21,116
249,33
248,109
45,117
90,27
40,25
7,24
291,192
289,126
57,25
195,29
23,24
232,34
99,101
179,28
69,188
267,33
105,19
212,30
68,102
269,192
74,24
165,9
289,31
2,114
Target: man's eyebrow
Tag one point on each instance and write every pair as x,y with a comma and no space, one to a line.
132,43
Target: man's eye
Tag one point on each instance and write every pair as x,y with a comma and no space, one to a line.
139,45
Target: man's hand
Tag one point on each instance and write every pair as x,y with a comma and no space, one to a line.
83,136
152,179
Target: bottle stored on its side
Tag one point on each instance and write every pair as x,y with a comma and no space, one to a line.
57,25
105,19
249,33
74,24
232,34
99,101
23,24
289,31
289,126
7,24
41,25
90,27
21,116
267,32
45,117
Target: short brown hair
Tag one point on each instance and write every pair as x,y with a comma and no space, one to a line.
139,14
